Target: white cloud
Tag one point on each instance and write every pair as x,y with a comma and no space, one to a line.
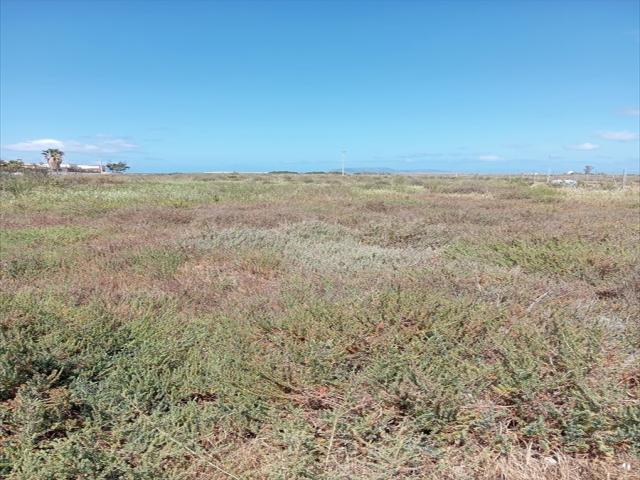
35,145
631,112
621,136
103,144
587,146
489,157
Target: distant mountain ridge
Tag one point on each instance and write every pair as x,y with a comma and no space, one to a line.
389,170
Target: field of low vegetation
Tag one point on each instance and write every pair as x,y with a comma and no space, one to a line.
290,326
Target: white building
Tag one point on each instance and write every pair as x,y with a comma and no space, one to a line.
78,168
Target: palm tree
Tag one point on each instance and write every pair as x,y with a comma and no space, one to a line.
53,156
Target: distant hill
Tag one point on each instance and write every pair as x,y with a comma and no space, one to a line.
390,170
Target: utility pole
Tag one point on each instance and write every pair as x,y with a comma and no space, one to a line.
344,154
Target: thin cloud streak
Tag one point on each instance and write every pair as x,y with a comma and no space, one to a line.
585,147
620,136
103,144
631,112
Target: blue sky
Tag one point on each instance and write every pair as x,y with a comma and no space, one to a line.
258,86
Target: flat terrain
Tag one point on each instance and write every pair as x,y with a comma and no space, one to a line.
318,326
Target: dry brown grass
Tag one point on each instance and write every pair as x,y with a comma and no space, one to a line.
320,327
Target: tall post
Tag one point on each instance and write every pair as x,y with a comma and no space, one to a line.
344,153
624,178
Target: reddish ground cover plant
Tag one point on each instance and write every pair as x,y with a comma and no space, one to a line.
318,326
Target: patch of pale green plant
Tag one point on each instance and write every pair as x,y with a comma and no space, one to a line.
319,247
